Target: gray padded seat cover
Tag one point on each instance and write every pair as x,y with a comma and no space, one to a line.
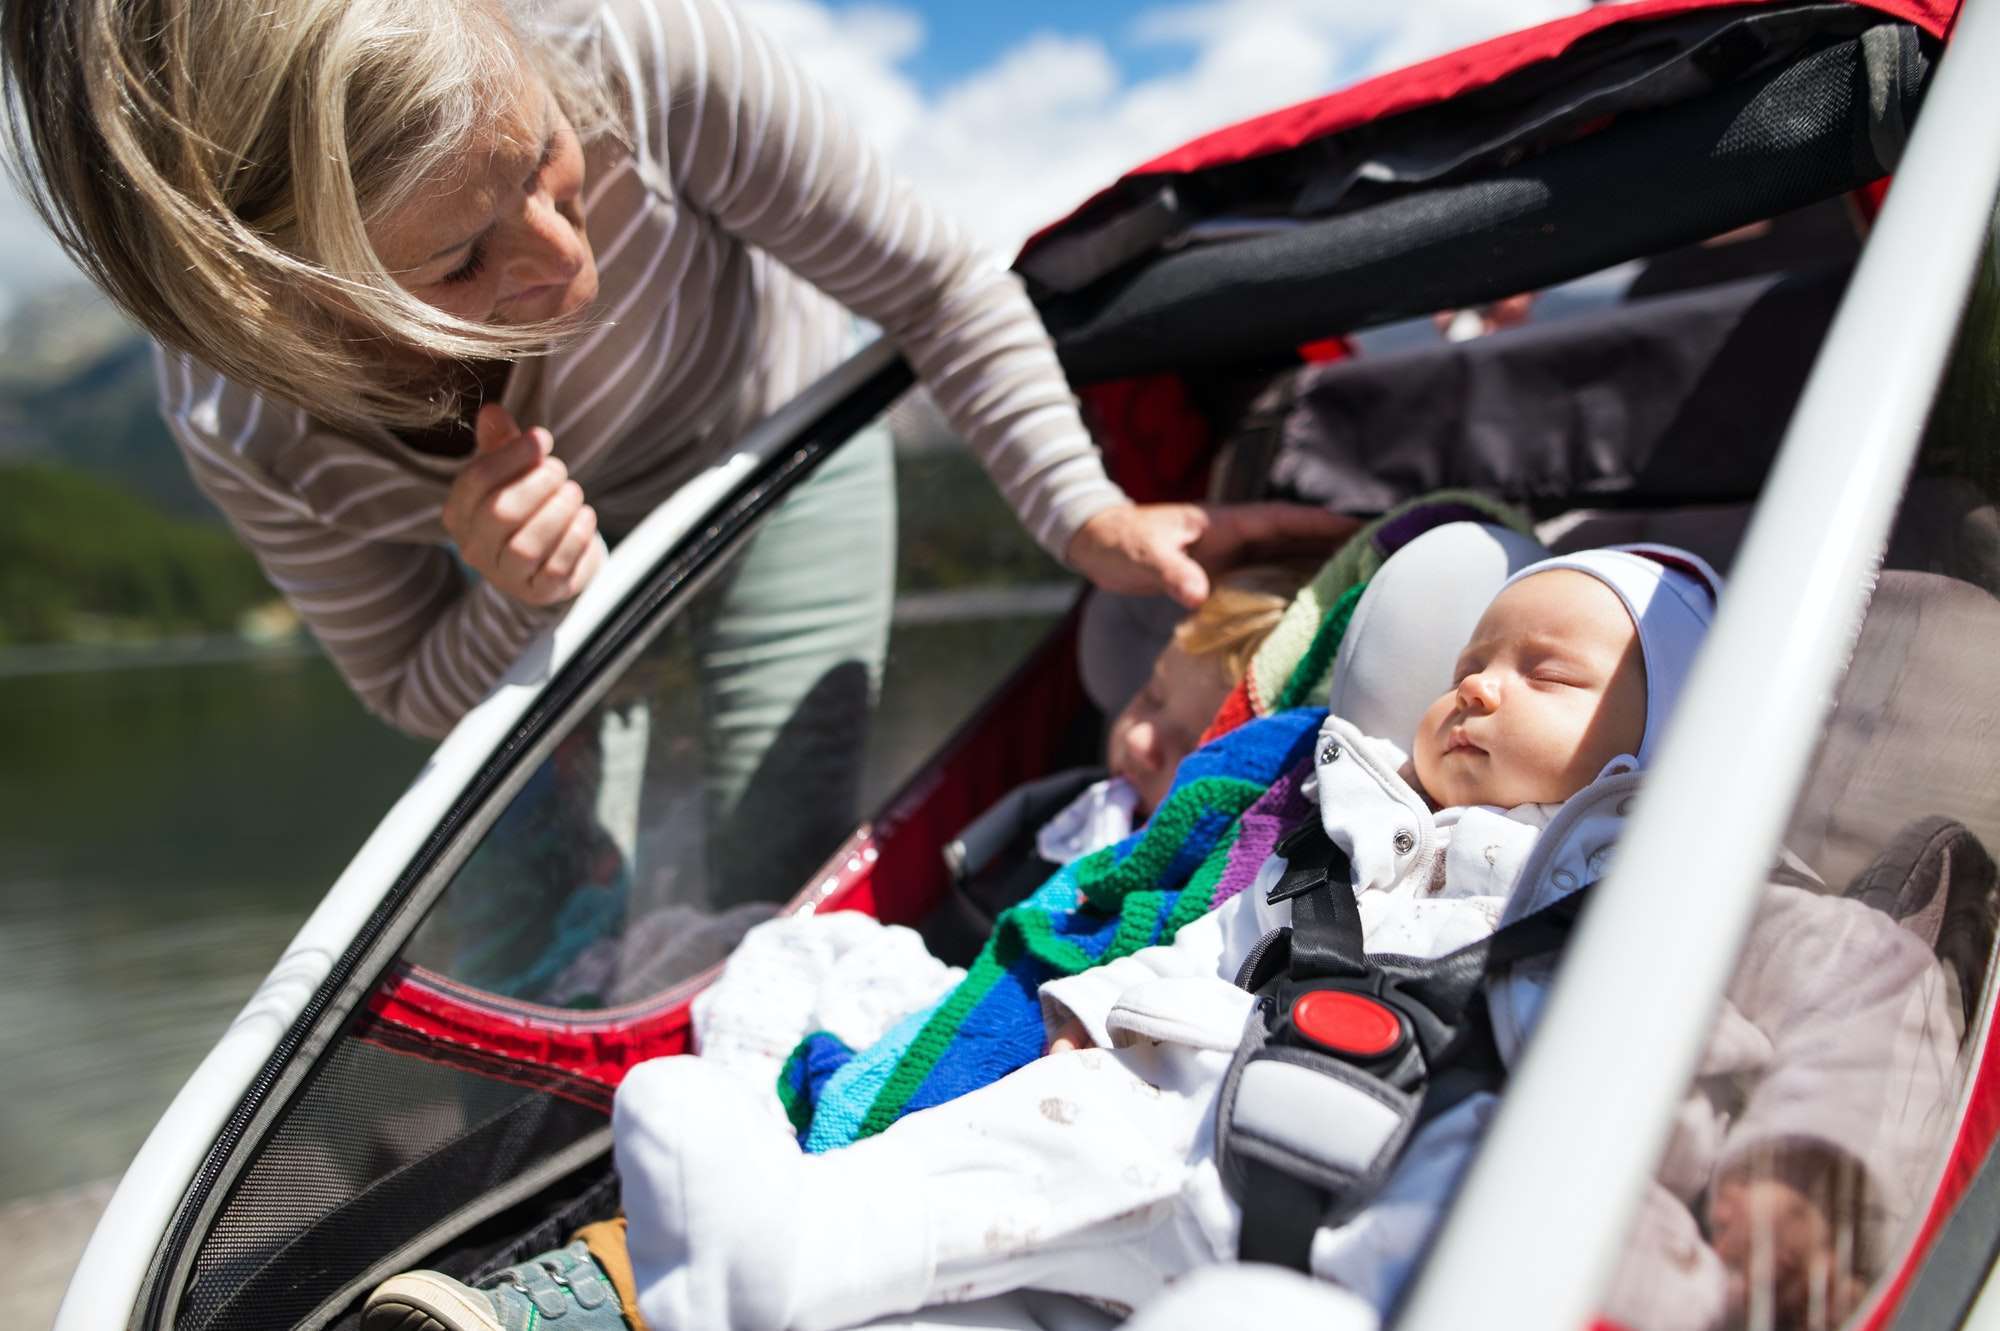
1413,620
1671,401
1915,728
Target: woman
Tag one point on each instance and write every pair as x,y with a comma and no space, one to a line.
428,277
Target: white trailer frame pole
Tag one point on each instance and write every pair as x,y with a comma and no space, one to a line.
1538,1231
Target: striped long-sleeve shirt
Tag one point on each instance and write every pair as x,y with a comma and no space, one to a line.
742,215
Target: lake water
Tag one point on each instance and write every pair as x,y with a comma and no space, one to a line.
164,831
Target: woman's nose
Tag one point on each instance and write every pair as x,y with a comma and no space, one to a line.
550,252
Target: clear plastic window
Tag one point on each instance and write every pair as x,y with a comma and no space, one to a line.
802,686
1809,1149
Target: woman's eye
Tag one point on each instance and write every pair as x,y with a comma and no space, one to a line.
475,260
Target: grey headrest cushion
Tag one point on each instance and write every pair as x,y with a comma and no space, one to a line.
1413,620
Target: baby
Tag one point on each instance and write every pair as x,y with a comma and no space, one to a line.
1092,1171
1163,722
846,974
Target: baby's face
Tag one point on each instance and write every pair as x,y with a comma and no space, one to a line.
1549,689
1160,725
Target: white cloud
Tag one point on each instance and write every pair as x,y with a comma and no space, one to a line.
1353,39
853,53
1021,141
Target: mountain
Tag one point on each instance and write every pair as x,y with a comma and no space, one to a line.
82,560
77,393
76,389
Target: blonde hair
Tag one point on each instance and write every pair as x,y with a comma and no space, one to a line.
1241,610
215,171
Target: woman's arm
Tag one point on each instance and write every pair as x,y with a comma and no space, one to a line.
747,138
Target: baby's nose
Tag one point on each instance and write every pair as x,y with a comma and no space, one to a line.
1479,690
1143,741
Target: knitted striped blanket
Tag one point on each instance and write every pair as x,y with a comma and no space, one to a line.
1230,802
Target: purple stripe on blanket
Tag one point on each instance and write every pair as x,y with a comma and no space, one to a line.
1399,531
1276,811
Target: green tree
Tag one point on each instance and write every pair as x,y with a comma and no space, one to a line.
80,558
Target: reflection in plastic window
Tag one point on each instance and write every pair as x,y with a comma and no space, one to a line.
802,686
1808,1148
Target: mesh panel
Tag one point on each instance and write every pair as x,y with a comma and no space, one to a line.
1680,399
379,1147
544,1221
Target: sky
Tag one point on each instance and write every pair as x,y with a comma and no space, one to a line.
1010,112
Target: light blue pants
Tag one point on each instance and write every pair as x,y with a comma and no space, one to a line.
788,645
789,650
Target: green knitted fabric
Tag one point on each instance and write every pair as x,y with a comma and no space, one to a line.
1318,660
1133,889
1295,664
791,1087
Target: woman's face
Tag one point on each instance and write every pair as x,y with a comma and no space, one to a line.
500,239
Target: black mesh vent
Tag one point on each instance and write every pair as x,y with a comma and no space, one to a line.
1681,399
546,1220
378,1148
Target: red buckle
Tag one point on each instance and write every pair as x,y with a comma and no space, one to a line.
1347,1023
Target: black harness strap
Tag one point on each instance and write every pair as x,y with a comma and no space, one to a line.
1326,934
1408,1035
1279,1229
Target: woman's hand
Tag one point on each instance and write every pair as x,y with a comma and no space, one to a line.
1174,548
517,516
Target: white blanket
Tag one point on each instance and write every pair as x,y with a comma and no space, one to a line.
844,973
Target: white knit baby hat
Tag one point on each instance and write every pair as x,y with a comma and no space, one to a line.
1670,594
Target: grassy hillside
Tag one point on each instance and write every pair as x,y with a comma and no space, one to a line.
83,560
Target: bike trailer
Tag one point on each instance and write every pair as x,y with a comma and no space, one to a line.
1814,413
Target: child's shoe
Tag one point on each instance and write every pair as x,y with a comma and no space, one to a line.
565,1285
